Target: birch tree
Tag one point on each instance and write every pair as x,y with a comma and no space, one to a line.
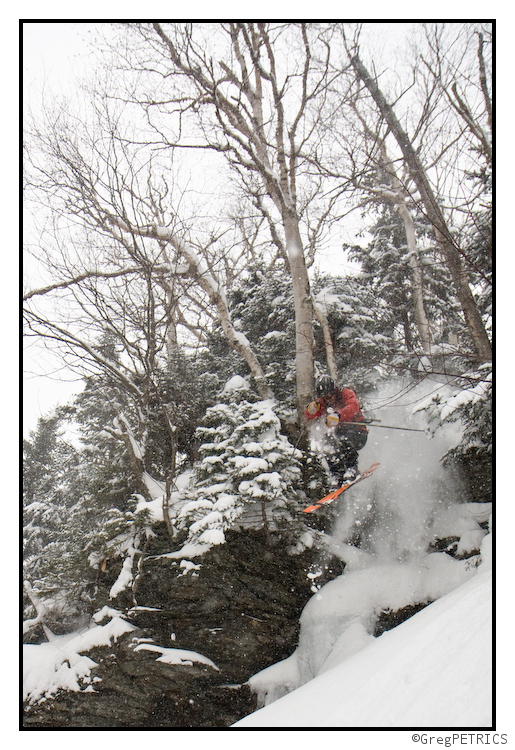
255,93
389,187
443,235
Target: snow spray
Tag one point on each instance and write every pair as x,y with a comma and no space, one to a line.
383,533
390,515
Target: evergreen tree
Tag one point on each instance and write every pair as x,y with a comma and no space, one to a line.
107,473
361,331
46,504
51,468
181,394
42,454
386,271
477,242
262,308
248,475
469,402
442,307
79,506
385,267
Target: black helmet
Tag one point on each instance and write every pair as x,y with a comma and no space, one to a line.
324,386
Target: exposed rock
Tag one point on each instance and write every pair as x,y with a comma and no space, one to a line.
238,605
475,469
241,611
137,691
389,619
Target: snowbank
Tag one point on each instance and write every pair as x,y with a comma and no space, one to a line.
337,621
433,670
59,665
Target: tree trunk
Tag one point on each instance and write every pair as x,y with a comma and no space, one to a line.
450,252
303,313
263,143
418,290
419,311
136,462
328,342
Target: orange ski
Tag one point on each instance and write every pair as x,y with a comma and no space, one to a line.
335,493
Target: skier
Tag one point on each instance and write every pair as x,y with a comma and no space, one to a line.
338,407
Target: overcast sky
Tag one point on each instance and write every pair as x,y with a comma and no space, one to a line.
54,55
53,51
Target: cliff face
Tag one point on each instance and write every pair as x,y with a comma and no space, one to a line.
240,610
225,616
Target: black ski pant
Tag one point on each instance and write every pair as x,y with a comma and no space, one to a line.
343,448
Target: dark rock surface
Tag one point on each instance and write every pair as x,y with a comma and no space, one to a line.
137,691
241,610
476,471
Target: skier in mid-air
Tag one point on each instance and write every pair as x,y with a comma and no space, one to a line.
338,407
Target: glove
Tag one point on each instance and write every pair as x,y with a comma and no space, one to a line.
332,420
313,407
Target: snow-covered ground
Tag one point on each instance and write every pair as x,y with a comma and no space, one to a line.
338,620
433,670
60,664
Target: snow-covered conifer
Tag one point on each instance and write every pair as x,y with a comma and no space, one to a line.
262,308
386,271
362,338
248,473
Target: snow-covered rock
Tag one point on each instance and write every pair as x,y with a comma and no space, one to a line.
434,670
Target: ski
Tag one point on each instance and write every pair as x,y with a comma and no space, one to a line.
335,493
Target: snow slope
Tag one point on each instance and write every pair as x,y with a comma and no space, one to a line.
433,670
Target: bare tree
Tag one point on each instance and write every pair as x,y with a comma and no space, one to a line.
466,90
474,106
213,290
418,173
389,187
256,93
265,97
120,264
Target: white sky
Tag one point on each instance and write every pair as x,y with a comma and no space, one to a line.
53,50
54,55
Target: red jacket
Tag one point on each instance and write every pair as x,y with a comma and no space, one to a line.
344,402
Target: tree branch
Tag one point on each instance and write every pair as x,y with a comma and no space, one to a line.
79,278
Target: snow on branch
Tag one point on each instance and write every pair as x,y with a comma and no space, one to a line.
79,278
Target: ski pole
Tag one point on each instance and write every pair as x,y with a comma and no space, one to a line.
384,426
299,439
